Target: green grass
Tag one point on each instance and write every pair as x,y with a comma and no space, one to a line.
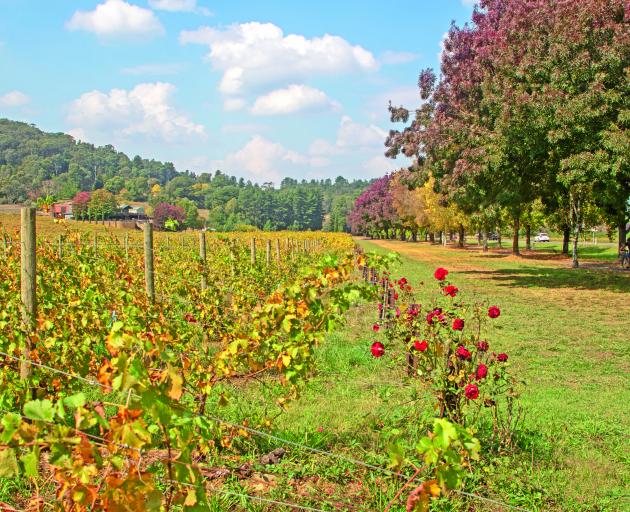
566,332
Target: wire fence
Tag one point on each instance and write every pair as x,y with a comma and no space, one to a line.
267,435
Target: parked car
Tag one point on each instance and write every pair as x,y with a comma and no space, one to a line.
493,236
541,237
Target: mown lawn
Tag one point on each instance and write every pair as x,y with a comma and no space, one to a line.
567,335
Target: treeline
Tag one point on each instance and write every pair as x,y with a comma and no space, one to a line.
35,164
528,118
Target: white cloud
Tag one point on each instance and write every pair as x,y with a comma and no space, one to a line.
233,104
263,160
146,111
256,54
390,57
14,99
379,165
178,6
352,134
294,98
470,3
154,69
321,147
117,18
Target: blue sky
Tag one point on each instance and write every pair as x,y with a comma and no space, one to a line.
257,89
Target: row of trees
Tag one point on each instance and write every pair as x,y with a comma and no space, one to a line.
37,164
529,115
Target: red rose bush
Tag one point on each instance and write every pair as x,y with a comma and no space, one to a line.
443,345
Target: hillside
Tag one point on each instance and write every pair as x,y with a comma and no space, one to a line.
35,163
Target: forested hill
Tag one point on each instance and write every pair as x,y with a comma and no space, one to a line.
34,163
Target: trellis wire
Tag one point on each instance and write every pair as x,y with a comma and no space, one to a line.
276,438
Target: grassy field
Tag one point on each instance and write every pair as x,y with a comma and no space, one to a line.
567,335
566,332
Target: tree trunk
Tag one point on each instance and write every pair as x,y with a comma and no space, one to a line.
485,241
576,263
623,234
479,237
566,237
528,237
403,235
414,235
432,237
517,226
499,240
461,235
444,241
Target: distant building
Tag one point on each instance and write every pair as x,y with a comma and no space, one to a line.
62,210
128,211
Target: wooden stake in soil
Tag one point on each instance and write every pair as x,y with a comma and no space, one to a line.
148,261
95,244
127,246
252,251
268,252
28,246
278,250
60,247
202,255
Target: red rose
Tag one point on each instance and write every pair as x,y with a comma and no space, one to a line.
482,372
375,327
458,324
421,345
380,306
440,274
402,281
462,352
502,357
451,290
494,312
472,391
483,346
377,349
396,296
397,312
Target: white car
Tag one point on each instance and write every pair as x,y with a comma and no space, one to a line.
541,237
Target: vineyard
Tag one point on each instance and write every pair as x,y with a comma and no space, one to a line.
112,385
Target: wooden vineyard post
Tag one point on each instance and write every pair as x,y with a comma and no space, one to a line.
252,251
60,247
126,246
202,255
268,252
95,244
278,250
28,247
148,261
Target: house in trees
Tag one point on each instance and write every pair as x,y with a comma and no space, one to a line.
62,210
128,211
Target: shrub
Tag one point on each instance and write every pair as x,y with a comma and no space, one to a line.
167,215
443,345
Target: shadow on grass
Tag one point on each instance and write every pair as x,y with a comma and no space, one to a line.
555,278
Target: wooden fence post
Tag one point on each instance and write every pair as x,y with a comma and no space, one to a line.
268,252
126,246
95,244
278,250
252,251
60,247
28,247
148,261
202,255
